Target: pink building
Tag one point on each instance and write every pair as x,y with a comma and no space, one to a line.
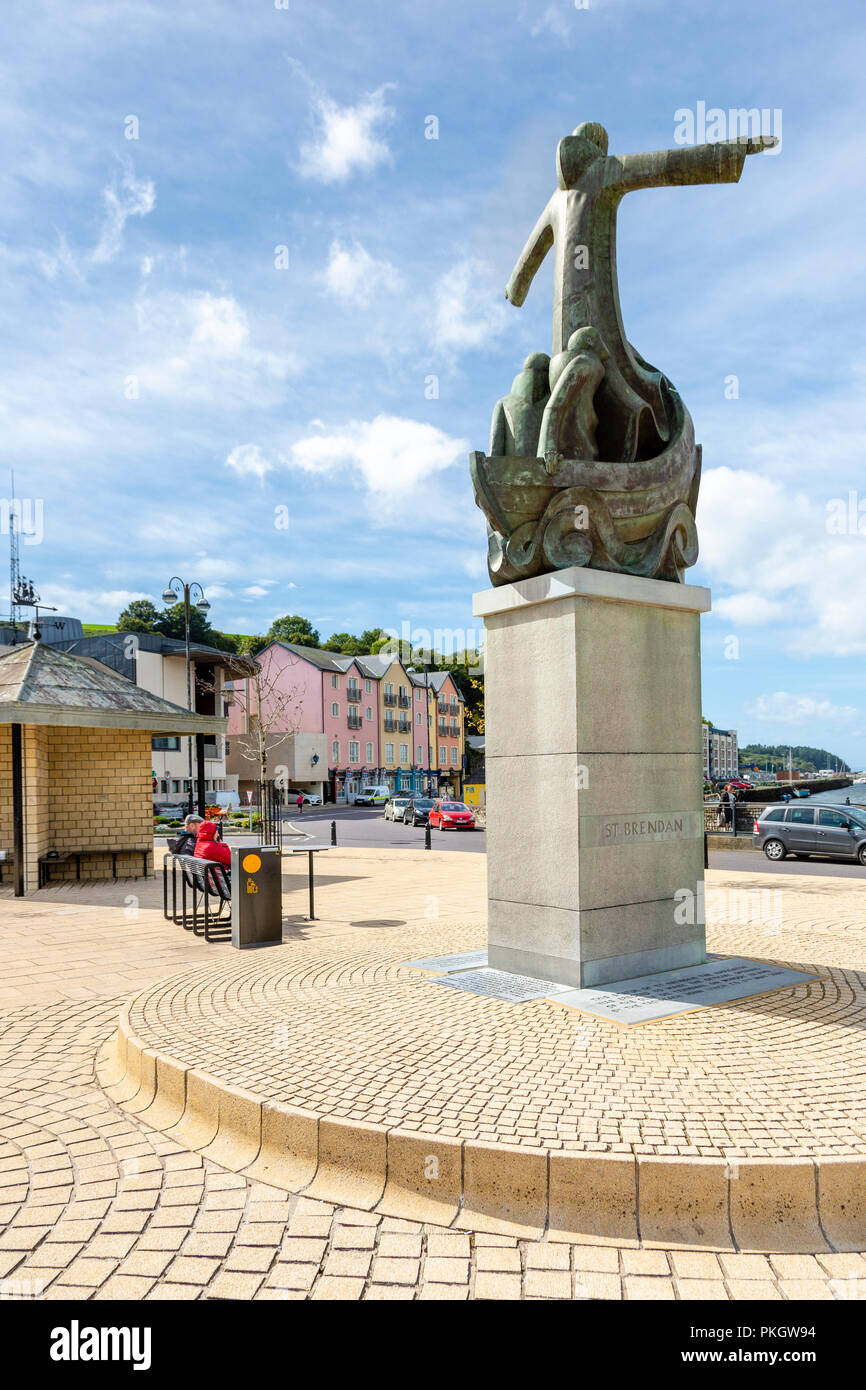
320,712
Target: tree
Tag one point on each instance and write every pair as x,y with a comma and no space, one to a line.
371,639
345,643
272,710
171,624
293,628
139,616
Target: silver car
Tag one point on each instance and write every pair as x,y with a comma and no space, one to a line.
834,832
395,807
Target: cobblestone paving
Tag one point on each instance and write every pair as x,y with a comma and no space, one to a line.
94,1204
342,1031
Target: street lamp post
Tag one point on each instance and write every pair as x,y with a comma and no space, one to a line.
184,594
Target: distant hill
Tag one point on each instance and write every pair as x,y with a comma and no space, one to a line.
803,758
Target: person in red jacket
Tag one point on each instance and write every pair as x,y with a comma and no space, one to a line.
208,847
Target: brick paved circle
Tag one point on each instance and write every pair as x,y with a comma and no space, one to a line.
350,1033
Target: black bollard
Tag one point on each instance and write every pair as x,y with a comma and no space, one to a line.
427,836
333,832
706,851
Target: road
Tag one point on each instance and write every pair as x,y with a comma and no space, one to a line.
752,862
367,827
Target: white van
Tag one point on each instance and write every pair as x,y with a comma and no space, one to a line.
372,796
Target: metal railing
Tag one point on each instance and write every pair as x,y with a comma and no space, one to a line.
389,699
745,815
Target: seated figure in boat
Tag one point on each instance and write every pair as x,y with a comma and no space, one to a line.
517,417
569,420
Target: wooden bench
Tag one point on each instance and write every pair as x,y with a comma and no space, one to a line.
206,879
46,860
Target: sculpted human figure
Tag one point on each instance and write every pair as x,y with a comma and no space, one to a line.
517,417
579,222
569,421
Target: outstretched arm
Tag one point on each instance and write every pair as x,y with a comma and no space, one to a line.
717,163
533,253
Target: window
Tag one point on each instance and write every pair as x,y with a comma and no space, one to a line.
801,816
369,712
367,688
165,745
454,755
404,753
335,751
369,752
335,709
334,682
389,752
418,717
420,758
353,752
832,818
777,814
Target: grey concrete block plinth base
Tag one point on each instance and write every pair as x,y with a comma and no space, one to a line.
594,778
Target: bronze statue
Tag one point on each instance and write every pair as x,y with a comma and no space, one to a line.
614,437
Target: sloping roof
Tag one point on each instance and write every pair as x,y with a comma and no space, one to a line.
101,645
434,680
42,685
374,666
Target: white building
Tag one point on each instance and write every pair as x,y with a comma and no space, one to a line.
721,756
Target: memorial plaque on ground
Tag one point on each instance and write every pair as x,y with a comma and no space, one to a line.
679,991
447,965
499,984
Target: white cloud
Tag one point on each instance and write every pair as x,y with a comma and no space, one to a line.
199,347
255,591
771,546
784,708
347,138
468,309
133,198
354,276
248,459
750,609
92,605
390,454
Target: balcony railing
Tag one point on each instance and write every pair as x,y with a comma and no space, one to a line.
405,726
443,728
443,706
354,692
355,721
389,699
390,726
404,700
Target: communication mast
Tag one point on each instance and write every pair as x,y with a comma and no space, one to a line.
14,564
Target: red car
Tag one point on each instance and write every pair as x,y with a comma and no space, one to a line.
452,815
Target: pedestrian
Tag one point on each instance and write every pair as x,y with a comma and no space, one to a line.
300,803
184,843
207,846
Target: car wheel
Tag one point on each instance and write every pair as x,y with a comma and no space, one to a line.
774,849
861,855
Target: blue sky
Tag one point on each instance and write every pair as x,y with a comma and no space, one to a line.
171,389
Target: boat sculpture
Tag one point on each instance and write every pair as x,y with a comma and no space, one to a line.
592,457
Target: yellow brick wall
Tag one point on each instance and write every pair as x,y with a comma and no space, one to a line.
83,788
6,800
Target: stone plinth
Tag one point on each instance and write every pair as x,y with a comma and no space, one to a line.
594,778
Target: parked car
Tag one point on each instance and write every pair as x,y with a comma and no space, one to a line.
175,810
373,796
418,810
739,785
832,832
396,806
310,798
451,815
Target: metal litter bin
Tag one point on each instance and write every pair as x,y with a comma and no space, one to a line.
257,896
